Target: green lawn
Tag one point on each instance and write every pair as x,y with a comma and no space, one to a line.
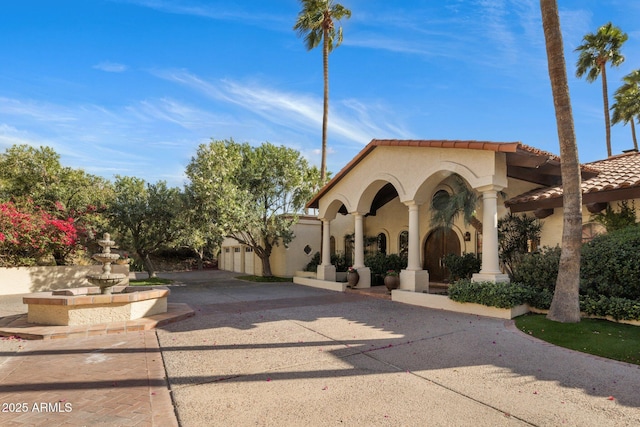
612,340
265,279
150,282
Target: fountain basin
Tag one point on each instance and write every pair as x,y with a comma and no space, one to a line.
87,306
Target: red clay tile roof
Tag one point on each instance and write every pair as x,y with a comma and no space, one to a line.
615,173
503,147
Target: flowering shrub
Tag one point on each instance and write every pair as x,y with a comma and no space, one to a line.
392,273
28,233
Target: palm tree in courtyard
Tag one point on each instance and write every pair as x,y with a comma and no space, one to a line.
626,109
565,306
316,23
596,50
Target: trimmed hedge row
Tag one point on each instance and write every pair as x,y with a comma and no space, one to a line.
501,295
508,295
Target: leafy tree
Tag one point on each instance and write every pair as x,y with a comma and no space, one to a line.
617,220
252,194
596,50
565,306
626,109
515,233
316,23
146,215
35,177
197,229
446,208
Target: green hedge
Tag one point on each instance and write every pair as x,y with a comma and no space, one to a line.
611,265
508,295
501,295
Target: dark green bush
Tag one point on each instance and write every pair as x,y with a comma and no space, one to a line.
338,260
618,308
462,266
501,295
540,297
539,270
376,262
611,265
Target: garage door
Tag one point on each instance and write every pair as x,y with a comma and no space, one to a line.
237,260
248,261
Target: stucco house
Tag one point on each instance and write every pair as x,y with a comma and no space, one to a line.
386,190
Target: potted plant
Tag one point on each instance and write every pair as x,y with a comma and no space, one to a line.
352,277
392,280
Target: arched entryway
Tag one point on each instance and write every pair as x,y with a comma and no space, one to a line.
440,242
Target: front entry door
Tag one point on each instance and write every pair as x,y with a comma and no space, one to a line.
440,242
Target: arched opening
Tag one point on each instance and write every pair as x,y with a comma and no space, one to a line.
403,243
440,242
382,243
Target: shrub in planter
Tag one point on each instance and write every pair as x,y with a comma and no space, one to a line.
462,266
611,265
501,295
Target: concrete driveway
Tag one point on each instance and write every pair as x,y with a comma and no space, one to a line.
286,355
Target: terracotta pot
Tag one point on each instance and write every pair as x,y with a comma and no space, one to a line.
352,278
392,282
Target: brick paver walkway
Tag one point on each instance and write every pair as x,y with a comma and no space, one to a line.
116,379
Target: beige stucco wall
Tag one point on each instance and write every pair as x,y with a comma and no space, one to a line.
22,280
552,225
94,313
284,261
414,172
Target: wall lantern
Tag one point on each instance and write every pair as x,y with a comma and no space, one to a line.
467,237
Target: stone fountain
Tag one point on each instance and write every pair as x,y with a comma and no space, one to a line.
107,280
108,301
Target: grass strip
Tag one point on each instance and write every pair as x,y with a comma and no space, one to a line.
603,338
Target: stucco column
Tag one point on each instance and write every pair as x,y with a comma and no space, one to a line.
490,261
413,262
326,242
326,271
358,262
414,278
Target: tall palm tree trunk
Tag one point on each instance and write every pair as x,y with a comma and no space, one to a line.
325,111
605,96
565,306
633,134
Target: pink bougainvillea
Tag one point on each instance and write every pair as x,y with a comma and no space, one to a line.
28,233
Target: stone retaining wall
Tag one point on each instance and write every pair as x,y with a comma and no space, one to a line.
23,280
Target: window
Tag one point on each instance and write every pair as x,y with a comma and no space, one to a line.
382,243
248,249
236,249
403,242
591,230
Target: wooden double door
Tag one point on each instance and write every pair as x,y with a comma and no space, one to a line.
440,242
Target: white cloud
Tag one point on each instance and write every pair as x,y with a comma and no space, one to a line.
110,67
352,120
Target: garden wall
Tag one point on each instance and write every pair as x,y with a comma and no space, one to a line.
23,280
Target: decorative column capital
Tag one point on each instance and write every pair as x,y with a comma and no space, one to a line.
489,188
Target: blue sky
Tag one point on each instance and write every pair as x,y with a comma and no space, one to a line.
132,87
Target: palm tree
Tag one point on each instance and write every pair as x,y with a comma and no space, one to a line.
446,208
595,51
565,306
315,23
626,109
